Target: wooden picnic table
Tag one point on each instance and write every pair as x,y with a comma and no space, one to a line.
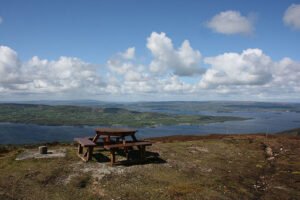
111,141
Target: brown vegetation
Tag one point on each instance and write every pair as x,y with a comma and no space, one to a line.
188,167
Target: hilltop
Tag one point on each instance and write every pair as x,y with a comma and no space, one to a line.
252,166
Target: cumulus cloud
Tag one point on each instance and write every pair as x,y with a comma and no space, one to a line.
251,67
231,22
292,16
43,76
251,74
9,65
130,77
129,53
171,73
286,75
174,84
184,61
66,73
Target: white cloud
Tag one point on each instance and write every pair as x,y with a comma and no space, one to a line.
119,66
250,74
129,54
286,75
9,65
292,16
251,67
231,22
185,61
66,74
174,84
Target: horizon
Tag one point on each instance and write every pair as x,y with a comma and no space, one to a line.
145,101
150,51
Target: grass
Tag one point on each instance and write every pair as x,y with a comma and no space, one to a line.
209,167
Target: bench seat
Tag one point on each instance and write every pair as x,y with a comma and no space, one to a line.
85,142
127,144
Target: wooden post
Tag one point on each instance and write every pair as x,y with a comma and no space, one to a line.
96,138
80,149
135,140
126,152
133,137
90,153
112,157
142,152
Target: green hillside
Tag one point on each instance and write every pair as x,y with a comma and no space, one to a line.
82,115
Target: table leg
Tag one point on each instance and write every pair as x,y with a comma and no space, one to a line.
80,149
126,152
112,157
135,140
142,152
90,153
96,137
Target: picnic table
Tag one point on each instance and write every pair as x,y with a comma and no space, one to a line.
113,139
118,133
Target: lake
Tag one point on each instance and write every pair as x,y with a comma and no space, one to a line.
261,121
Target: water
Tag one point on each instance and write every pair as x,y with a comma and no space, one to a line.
266,122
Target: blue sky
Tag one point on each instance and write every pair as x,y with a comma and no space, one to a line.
99,32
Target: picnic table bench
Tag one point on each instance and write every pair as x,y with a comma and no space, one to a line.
85,142
119,143
126,146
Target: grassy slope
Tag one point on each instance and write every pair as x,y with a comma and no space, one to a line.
76,115
209,167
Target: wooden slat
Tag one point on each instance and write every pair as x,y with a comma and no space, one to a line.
115,131
129,144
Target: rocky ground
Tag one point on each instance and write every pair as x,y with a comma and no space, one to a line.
178,167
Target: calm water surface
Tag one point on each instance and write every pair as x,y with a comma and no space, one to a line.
267,122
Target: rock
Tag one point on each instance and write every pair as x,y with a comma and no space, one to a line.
271,158
269,151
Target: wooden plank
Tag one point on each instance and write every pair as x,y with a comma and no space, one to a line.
85,142
128,144
83,158
115,131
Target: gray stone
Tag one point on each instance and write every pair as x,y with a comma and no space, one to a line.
43,149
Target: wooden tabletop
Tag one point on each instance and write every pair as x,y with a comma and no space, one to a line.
115,131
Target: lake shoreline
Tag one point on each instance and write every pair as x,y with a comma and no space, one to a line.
292,133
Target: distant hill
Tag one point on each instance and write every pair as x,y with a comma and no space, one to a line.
90,115
295,132
177,106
